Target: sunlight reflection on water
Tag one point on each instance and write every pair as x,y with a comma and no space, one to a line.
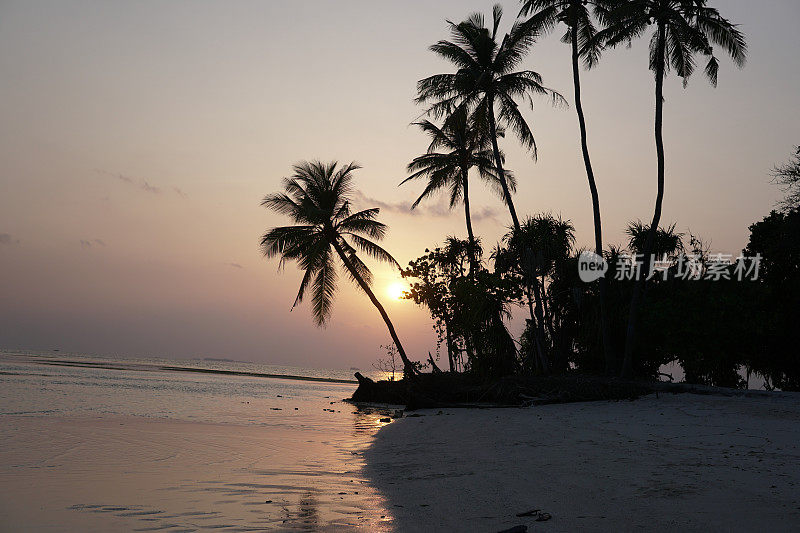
197,451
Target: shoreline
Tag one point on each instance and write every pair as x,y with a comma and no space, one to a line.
666,462
173,368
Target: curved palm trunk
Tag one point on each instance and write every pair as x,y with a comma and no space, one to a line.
473,261
605,329
639,287
409,369
526,252
499,163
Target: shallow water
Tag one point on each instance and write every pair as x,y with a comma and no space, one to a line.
122,444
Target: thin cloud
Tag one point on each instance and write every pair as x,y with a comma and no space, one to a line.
485,213
440,209
121,177
234,265
141,183
8,239
91,243
150,188
394,207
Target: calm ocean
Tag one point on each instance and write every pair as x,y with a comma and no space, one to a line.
198,449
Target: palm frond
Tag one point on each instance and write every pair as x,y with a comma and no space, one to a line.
373,250
281,240
364,222
511,115
454,53
281,203
323,290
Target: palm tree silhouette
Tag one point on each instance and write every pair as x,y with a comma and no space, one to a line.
464,145
683,29
316,198
486,80
581,35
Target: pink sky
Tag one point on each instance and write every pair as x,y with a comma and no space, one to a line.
137,139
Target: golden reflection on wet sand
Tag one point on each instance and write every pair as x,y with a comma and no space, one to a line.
147,475
254,460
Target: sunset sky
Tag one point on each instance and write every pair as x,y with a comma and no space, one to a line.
138,138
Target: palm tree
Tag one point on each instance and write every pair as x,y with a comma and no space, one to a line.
486,82
316,198
464,146
683,29
581,35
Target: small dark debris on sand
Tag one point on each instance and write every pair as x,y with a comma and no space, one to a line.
540,515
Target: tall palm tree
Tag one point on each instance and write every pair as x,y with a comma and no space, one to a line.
463,145
316,198
581,35
486,81
683,29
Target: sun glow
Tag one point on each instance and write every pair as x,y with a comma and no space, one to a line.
395,290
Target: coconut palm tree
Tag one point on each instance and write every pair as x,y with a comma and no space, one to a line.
487,83
581,35
682,30
463,145
316,198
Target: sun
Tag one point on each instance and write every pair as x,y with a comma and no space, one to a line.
396,290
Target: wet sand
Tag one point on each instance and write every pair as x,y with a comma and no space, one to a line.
138,474
670,463
105,444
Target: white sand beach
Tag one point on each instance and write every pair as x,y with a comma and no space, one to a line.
669,463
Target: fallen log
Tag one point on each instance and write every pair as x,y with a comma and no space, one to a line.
447,389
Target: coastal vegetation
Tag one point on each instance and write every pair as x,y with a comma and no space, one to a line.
664,298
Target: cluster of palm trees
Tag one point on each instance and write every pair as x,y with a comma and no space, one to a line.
476,106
